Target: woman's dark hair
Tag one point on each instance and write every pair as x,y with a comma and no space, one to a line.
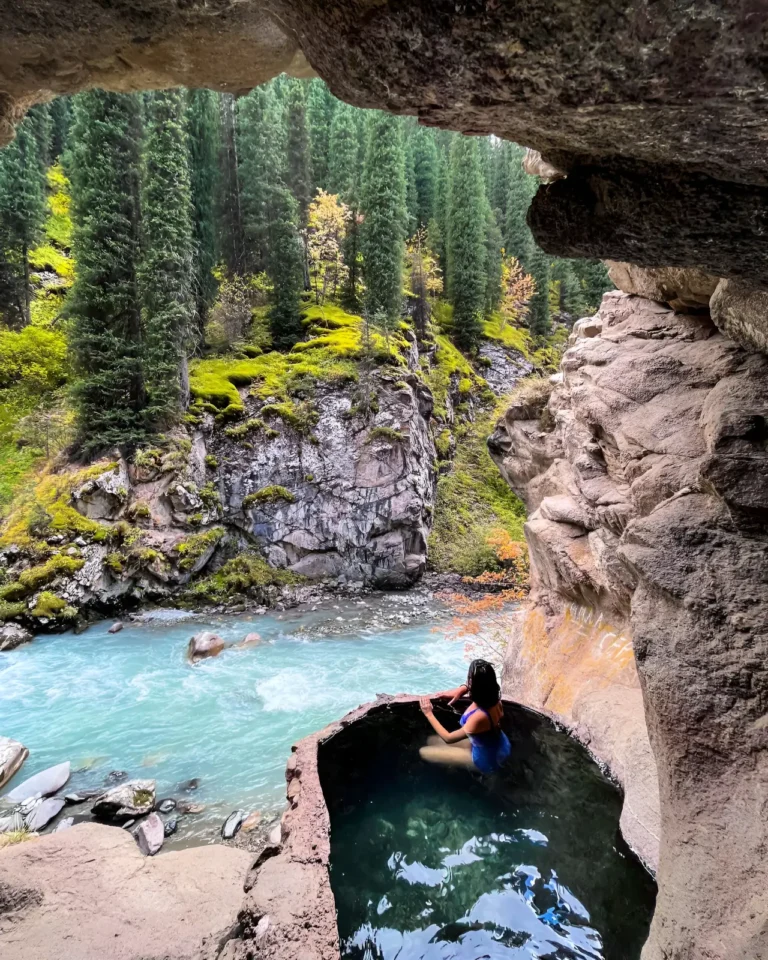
483,685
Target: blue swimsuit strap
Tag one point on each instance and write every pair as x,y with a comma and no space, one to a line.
494,728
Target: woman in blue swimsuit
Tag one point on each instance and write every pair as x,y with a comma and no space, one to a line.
479,743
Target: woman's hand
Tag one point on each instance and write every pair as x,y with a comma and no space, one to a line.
426,706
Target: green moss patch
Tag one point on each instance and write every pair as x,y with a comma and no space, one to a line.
472,501
270,494
190,550
247,575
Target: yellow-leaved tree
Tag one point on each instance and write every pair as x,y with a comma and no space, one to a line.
517,288
327,221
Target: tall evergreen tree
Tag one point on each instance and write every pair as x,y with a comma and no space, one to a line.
595,281
425,161
204,146
411,189
321,108
467,241
383,205
299,167
230,243
61,120
21,214
538,310
518,239
439,227
104,302
262,167
285,267
166,271
343,178
571,294
493,261
40,118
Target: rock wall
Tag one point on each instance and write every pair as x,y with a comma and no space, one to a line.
645,476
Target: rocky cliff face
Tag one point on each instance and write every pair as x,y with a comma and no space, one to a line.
645,476
341,494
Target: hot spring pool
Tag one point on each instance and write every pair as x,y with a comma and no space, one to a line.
429,863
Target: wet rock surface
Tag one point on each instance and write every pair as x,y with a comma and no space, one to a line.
12,756
184,898
12,635
647,516
204,645
129,800
41,784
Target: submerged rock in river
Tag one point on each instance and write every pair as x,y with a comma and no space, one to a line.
132,799
232,824
205,644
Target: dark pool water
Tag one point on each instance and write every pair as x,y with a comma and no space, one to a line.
436,864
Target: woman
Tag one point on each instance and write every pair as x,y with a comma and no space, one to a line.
479,743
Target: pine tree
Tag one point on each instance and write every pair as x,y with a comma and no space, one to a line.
61,120
299,169
286,268
383,205
321,108
104,302
425,160
438,228
571,293
204,146
467,241
344,176
166,271
538,310
21,215
493,262
229,242
262,167
595,281
518,239
40,118
411,190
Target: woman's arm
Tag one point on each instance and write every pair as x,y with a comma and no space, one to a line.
426,709
451,695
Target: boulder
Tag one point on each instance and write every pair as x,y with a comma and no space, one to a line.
682,288
171,826
12,756
43,784
251,821
741,313
232,824
204,645
184,807
150,834
64,824
42,814
88,893
12,823
116,627
165,806
12,635
132,799
103,497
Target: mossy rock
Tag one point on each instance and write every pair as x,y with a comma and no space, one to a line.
271,494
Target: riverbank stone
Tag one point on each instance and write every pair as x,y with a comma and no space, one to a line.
12,756
165,806
171,826
150,835
43,812
129,800
116,627
42,784
12,635
232,824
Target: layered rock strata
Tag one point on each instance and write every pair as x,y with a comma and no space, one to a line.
645,477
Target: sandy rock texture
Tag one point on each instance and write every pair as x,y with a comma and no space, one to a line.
12,756
646,486
89,893
683,290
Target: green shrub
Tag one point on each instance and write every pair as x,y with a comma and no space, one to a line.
210,461
190,550
245,575
385,433
49,606
268,495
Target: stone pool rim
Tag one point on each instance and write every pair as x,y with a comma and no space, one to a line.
289,911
